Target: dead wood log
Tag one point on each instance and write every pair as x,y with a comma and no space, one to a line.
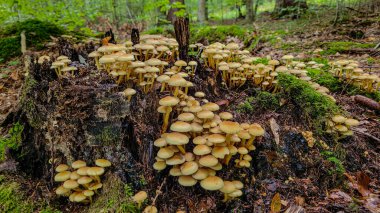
182,35
135,36
367,102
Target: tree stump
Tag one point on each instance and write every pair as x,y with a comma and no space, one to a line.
182,35
135,36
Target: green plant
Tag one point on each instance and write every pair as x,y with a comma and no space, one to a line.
261,61
343,46
127,205
338,165
12,140
261,101
217,33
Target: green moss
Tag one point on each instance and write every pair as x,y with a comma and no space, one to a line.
334,85
162,30
264,61
217,33
12,140
343,46
28,104
316,107
108,136
12,199
262,101
36,33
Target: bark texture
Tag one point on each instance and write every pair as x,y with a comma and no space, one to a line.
182,34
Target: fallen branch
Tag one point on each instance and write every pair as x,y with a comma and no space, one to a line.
367,134
367,102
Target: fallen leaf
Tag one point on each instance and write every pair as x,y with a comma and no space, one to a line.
339,195
223,102
275,128
275,205
363,182
299,200
372,203
14,76
295,209
1,86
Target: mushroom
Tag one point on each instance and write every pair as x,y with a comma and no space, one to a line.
139,198
129,92
168,102
212,183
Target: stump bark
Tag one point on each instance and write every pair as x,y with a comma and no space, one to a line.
182,35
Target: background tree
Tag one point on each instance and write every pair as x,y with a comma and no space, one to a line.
202,11
250,12
290,7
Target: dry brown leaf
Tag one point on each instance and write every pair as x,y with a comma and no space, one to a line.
14,76
363,182
299,200
275,205
275,128
1,86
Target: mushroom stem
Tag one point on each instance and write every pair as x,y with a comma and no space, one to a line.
129,97
176,91
166,119
162,87
250,141
181,149
228,158
228,139
225,197
243,142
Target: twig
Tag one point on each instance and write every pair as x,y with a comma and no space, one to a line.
368,135
158,192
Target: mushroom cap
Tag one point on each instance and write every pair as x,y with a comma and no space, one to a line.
230,127
175,171
176,138
84,180
208,161
205,114
126,57
256,130
238,184
175,160
140,196
74,175
163,78
159,165
189,168
95,171
211,106
220,151
341,128
165,153
351,122
82,170
150,209
199,94
70,184
244,134
78,164
199,140
61,190
180,63
62,176
242,150
226,115
177,81
186,116
169,101
95,186
153,62
94,54
216,138
88,193
106,60
196,127
212,183
228,187
339,119
187,180
103,163
79,197
129,92
161,142
61,168
201,174
180,126
236,193
201,149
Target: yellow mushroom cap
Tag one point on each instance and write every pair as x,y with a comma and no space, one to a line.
230,127
201,174
211,106
74,175
169,101
88,193
199,94
216,138
341,128
244,134
61,190
62,176
159,165
177,81
140,196
351,122
226,115
256,130
95,186
84,180
187,180
95,171
220,151
180,126
175,171
176,138
201,149
161,142
205,114
236,193
79,197
78,164
242,150
129,92
180,63
339,119
83,170
61,168
103,163
150,209
175,160
189,168
212,183
165,152
228,187
238,184
199,140
70,184
208,161
186,116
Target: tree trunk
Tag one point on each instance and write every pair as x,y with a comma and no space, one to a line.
202,11
293,8
206,9
250,15
135,36
171,16
182,35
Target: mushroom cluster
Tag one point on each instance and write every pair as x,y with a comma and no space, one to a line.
143,64
80,182
201,140
341,125
61,66
349,71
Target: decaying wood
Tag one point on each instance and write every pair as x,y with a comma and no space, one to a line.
366,134
367,102
182,35
23,42
135,36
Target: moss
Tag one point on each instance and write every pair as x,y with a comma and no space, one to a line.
315,107
36,33
343,46
162,30
264,61
217,33
115,197
12,199
108,136
28,104
335,85
261,101
12,140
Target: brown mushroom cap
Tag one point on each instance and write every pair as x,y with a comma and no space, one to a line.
176,138
230,127
212,183
169,101
201,149
150,209
187,180
189,168
208,161
70,184
180,126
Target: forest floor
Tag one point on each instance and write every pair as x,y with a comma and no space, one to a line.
308,177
